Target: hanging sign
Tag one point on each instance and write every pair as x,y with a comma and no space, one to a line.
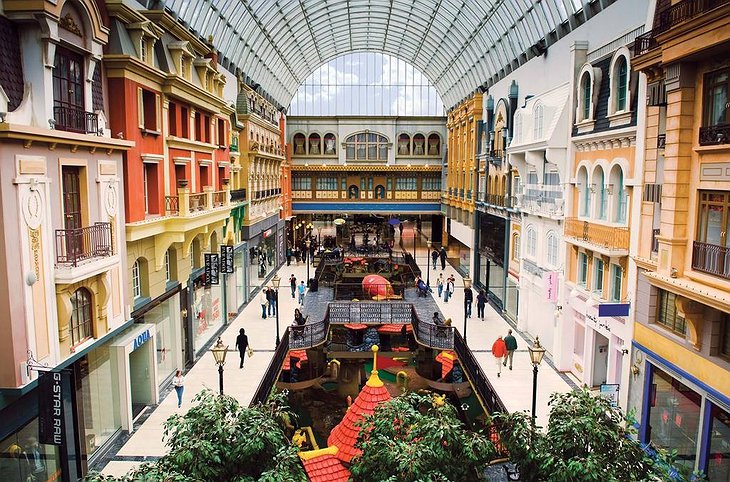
227,259
54,397
550,284
212,269
613,309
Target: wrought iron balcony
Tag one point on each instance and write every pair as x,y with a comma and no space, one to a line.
685,10
495,157
75,120
238,195
610,237
711,259
645,43
715,135
75,245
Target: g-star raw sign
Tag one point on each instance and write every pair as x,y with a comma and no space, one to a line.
51,419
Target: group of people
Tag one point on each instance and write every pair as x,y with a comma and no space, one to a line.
301,288
269,298
503,349
445,287
438,254
300,250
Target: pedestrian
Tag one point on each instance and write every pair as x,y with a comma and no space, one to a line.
499,350
293,285
434,257
35,459
481,302
511,344
242,344
449,288
272,297
302,288
468,300
297,255
440,284
442,255
437,319
400,229
264,302
288,255
178,382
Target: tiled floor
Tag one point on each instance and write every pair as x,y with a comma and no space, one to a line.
514,387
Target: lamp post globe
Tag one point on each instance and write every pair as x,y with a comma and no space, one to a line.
219,355
537,352
467,285
276,281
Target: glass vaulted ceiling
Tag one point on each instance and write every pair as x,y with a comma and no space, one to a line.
457,44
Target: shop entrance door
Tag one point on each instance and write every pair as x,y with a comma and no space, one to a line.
600,360
140,374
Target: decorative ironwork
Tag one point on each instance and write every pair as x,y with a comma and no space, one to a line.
654,240
238,195
172,204
75,120
495,157
661,141
74,245
432,335
610,237
308,335
711,259
714,135
272,373
683,11
484,390
645,43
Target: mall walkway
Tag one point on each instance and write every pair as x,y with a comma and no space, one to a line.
514,387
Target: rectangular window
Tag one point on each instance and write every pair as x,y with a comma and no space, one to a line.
184,123
582,269
327,184
301,183
206,128
143,49
431,184
221,133
616,279
145,191
598,276
150,189
667,313
198,127
343,184
149,110
172,119
717,104
406,184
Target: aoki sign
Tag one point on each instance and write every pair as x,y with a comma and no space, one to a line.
141,339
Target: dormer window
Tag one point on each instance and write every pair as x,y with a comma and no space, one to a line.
619,109
144,35
143,54
538,122
588,85
621,83
585,90
185,68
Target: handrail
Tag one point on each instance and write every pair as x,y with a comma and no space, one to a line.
219,198
74,245
431,335
172,204
308,335
484,390
370,312
198,201
272,372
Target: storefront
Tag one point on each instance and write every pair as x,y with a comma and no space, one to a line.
460,240
236,282
206,314
266,245
491,262
681,413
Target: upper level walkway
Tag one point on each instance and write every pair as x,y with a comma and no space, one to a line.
513,387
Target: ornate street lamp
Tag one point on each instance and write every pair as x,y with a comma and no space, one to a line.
428,264
219,354
276,281
308,243
467,285
537,351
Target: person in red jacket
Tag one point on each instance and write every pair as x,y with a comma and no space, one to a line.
499,350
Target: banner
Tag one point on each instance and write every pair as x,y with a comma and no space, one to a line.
53,389
550,280
227,259
212,269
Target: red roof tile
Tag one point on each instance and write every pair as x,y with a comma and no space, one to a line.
325,467
300,354
393,328
446,359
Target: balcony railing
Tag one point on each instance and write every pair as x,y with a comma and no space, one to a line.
715,135
654,240
683,11
711,258
661,141
645,43
432,335
495,199
75,120
495,157
198,201
308,335
74,245
238,195
611,237
219,198
172,204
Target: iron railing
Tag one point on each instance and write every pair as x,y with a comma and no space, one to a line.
484,390
74,245
308,335
75,120
172,204
655,240
495,157
238,195
711,259
495,199
370,312
645,43
219,198
683,11
272,373
715,135
432,335
198,201
611,237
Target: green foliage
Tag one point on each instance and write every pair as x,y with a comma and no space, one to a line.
586,440
411,438
219,440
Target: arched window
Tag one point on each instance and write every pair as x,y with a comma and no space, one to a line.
434,145
136,281
80,326
299,141
330,144
537,122
622,76
404,145
419,142
314,145
531,241
552,249
516,246
619,194
599,181
366,146
585,192
585,89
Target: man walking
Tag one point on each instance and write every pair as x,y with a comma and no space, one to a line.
442,255
468,300
270,294
302,288
481,302
264,301
293,284
242,344
511,344
434,257
499,350
288,255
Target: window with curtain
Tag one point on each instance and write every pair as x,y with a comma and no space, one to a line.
616,278
406,184
667,313
301,183
431,184
80,325
716,86
327,184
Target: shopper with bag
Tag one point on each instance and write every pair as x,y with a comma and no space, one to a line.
242,344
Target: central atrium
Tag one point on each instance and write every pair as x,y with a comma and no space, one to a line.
364,240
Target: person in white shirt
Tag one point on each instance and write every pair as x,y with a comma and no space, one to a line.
178,382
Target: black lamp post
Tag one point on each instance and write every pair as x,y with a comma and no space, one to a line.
414,242
536,354
428,264
308,243
219,354
467,285
276,281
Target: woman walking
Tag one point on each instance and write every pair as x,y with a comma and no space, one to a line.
178,382
440,284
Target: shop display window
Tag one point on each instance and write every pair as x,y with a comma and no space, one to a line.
718,464
166,317
207,312
22,458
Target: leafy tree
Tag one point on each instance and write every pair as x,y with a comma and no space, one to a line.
418,437
219,440
586,440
